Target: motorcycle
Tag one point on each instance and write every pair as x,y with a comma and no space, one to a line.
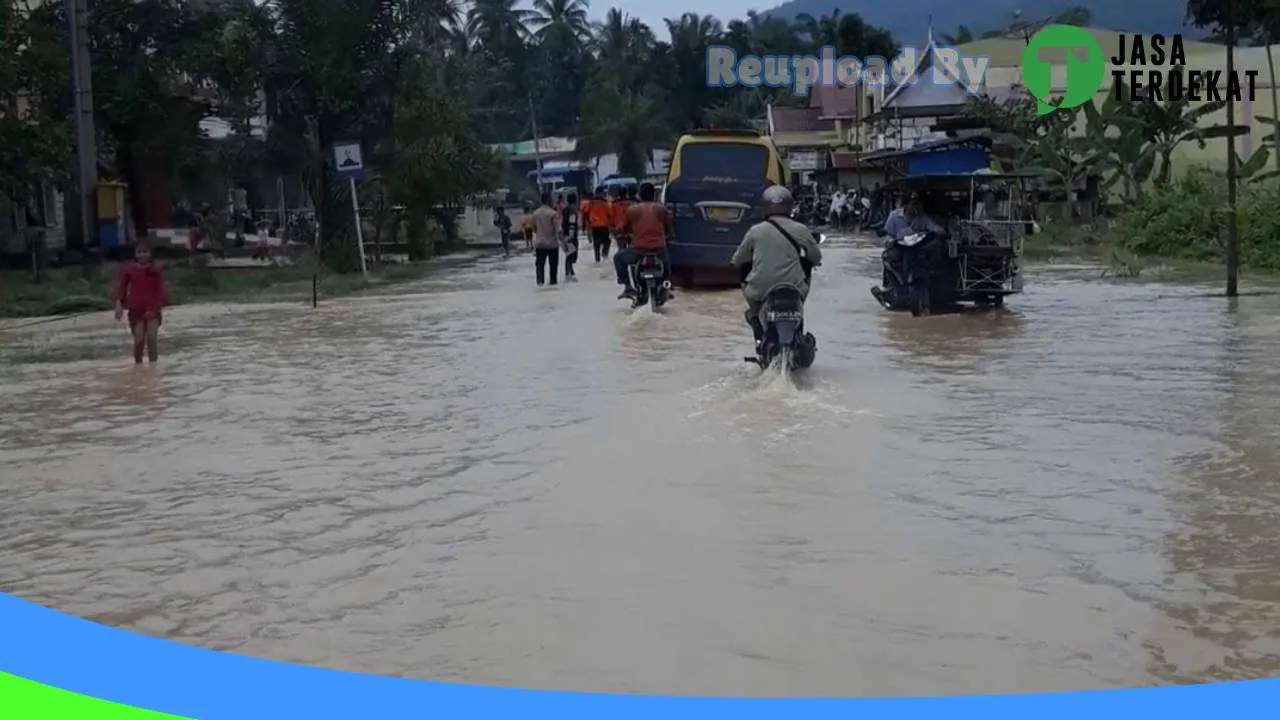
782,315
648,277
916,283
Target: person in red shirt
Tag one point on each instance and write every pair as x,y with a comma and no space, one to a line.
142,294
649,224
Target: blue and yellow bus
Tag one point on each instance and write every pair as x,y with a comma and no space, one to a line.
713,187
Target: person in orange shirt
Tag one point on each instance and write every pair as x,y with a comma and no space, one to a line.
599,215
621,201
649,224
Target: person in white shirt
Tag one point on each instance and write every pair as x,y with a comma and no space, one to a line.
837,205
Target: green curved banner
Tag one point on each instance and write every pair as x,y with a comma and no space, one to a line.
22,699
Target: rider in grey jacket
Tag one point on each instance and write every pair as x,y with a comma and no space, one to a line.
768,258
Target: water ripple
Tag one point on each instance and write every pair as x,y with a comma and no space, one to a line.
471,479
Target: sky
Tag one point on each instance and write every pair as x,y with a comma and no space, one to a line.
652,12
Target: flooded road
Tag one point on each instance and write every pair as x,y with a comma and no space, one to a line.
474,480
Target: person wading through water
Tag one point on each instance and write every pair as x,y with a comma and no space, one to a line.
141,293
598,219
503,222
569,231
618,216
526,226
547,239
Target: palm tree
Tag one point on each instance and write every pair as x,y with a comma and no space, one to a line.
497,24
557,75
849,34
433,22
561,23
773,35
691,35
623,45
821,31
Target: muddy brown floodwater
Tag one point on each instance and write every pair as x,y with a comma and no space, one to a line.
473,480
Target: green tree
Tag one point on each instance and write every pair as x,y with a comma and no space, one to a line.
34,135
433,161
849,34
151,65
561,32
626,122
1251,20
688,93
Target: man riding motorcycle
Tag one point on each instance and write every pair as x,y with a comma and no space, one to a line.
648,223
907,220
776,251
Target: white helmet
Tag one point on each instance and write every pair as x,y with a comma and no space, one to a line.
777,200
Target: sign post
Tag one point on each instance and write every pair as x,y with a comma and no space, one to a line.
349,164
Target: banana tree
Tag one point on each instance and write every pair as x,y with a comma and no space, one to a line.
1131,160
1268,32
1117,140
1057,154
1170,123
1250,171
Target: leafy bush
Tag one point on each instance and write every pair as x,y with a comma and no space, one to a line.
1186,220
1179,220
1260,227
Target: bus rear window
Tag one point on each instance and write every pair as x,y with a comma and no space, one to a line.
724,163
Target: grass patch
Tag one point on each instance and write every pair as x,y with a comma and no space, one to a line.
1176,231
67,292
1180,228
1064,243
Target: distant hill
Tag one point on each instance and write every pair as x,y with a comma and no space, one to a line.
908,20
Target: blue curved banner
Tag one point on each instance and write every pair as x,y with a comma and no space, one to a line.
53,649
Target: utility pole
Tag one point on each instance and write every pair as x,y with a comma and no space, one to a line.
1233,225
538,142
86,145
